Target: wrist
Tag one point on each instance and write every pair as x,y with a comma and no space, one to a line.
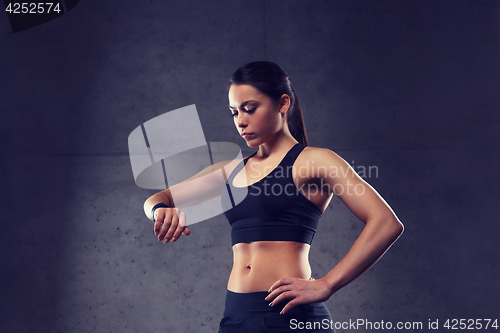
155,207
333,283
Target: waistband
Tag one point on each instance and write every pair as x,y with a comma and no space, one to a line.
254,304
249,304
250,312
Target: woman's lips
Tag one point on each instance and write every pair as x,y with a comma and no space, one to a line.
246,135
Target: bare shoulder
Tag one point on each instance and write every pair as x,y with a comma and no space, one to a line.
314,156
321,163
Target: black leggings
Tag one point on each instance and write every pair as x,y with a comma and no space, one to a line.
250,313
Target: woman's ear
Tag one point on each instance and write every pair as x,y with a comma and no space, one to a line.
284,103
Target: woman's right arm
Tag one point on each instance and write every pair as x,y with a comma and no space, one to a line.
170,222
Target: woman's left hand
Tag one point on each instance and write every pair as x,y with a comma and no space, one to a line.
298,291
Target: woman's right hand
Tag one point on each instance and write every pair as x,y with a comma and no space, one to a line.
170,223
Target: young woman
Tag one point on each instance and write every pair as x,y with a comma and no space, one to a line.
288,185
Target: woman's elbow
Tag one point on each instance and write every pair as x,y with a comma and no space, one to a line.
390,226
396,228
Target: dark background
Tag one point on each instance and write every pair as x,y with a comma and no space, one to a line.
411,87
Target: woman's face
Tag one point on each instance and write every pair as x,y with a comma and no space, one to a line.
256,117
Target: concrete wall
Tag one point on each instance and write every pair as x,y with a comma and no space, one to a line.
411,87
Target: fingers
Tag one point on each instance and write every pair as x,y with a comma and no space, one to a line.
181,225
171,226
182,221
170,223
280,282
280,294
291,289
300,292
159,216
279,291
164,219
283,296
292,295
290,305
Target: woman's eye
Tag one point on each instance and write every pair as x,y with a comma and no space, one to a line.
235,114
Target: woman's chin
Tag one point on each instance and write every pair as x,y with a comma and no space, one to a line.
252,144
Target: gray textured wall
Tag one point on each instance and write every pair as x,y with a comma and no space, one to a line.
411,87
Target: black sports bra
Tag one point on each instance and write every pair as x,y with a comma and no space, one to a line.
273,209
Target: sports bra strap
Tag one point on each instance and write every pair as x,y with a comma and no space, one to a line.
286,162
292,154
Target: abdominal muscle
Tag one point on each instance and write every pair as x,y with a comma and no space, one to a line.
258,265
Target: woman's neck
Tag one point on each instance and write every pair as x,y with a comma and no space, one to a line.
278,144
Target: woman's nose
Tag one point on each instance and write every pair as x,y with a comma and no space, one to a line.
242,121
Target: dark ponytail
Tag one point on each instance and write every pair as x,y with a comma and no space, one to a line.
271,79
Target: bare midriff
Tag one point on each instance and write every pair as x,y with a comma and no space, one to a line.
258,265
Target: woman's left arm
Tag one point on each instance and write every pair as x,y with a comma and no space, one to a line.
382,229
